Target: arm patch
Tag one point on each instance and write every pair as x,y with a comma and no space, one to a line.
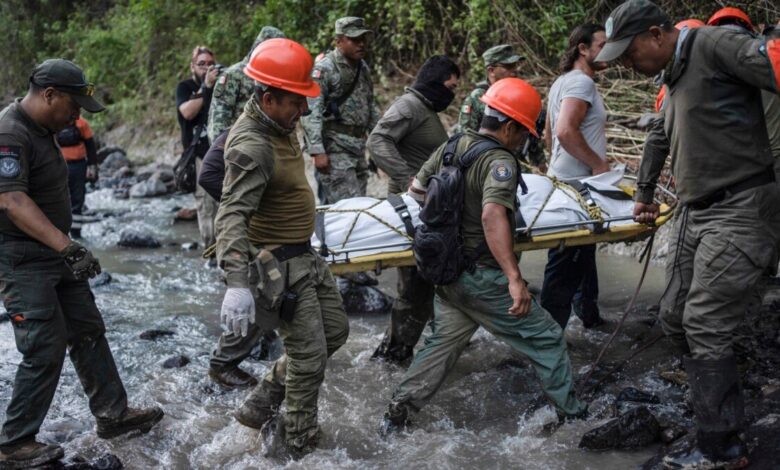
10,167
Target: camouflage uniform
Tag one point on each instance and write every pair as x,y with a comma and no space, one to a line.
342,138
233,89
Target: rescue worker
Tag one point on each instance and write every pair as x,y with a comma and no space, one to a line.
494,295
728,222
43,273
193,98
403,139
500,62
577,138
264,224
731,16
233,89
231,92
343,114
78,148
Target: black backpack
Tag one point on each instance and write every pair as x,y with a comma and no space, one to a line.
69,136
438,243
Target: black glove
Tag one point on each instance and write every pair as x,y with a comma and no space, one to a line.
80,261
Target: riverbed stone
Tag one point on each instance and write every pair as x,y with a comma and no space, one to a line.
359,299
149,188
637,396
102,279
154,334
175,362
131,238
186,214
634,429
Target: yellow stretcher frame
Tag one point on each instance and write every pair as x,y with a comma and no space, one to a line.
618,233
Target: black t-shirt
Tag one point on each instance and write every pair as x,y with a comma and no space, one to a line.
212,171
31,162
184,92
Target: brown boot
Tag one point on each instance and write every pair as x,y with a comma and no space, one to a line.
132,419
232,378
30,454
261,405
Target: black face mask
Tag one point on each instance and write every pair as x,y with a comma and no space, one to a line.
439,95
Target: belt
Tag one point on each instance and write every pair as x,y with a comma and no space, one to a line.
354,131
285,252
760,179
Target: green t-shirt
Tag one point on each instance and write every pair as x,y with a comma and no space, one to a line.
491,178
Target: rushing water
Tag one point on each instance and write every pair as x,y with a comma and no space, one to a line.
485,416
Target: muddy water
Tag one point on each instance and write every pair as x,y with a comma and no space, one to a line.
487,414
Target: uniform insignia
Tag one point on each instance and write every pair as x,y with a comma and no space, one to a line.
501,172
316,73
222,79
9,161
466,109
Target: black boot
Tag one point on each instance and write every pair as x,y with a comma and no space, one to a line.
140,419
719,408
396,418
30,454
261,405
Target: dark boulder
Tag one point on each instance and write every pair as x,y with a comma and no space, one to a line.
130,238
359,299
104,462
636,428
638,396
175,362
155,334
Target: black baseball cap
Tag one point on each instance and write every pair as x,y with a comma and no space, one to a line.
65,76
626,21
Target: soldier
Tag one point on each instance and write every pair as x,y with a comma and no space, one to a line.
403,139
494,294
267,206
343,114
500,62
231,92
728,223
43,274
233,89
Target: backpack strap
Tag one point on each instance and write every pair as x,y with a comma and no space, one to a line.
403,212
449,150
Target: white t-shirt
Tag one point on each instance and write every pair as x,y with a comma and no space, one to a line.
576,84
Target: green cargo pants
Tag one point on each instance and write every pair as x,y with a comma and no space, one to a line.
51,311
718,256
318,328
412,310
482,299
348,177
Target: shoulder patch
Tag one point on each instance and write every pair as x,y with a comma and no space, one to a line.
223,79
316,73
501,172
9,161
466,108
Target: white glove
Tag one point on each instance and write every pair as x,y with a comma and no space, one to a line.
238,310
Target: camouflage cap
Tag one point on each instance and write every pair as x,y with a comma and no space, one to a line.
502,54
351,27
269,32
65,76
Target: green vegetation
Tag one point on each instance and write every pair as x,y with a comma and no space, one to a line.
137,50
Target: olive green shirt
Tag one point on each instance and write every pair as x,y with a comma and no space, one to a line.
493,178
266,199
713,117
404,138
31,162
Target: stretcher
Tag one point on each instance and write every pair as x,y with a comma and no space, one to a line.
366,234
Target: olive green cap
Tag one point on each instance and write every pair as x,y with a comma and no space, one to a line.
65,76
351,27
626,21
502,54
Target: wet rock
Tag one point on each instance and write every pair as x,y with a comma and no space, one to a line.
638,396
130,238
4,317
672,433
363,299
104,152
189,246
186,214
149,188
104,462
114,160
152,335
101,279
176,362
634,429
122,193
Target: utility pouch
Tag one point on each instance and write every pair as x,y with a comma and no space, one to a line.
289,301
268,281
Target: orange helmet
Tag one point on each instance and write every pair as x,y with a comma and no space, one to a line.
730,13
691,23
285,64
517,99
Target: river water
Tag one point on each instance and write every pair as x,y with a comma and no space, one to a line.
487,415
